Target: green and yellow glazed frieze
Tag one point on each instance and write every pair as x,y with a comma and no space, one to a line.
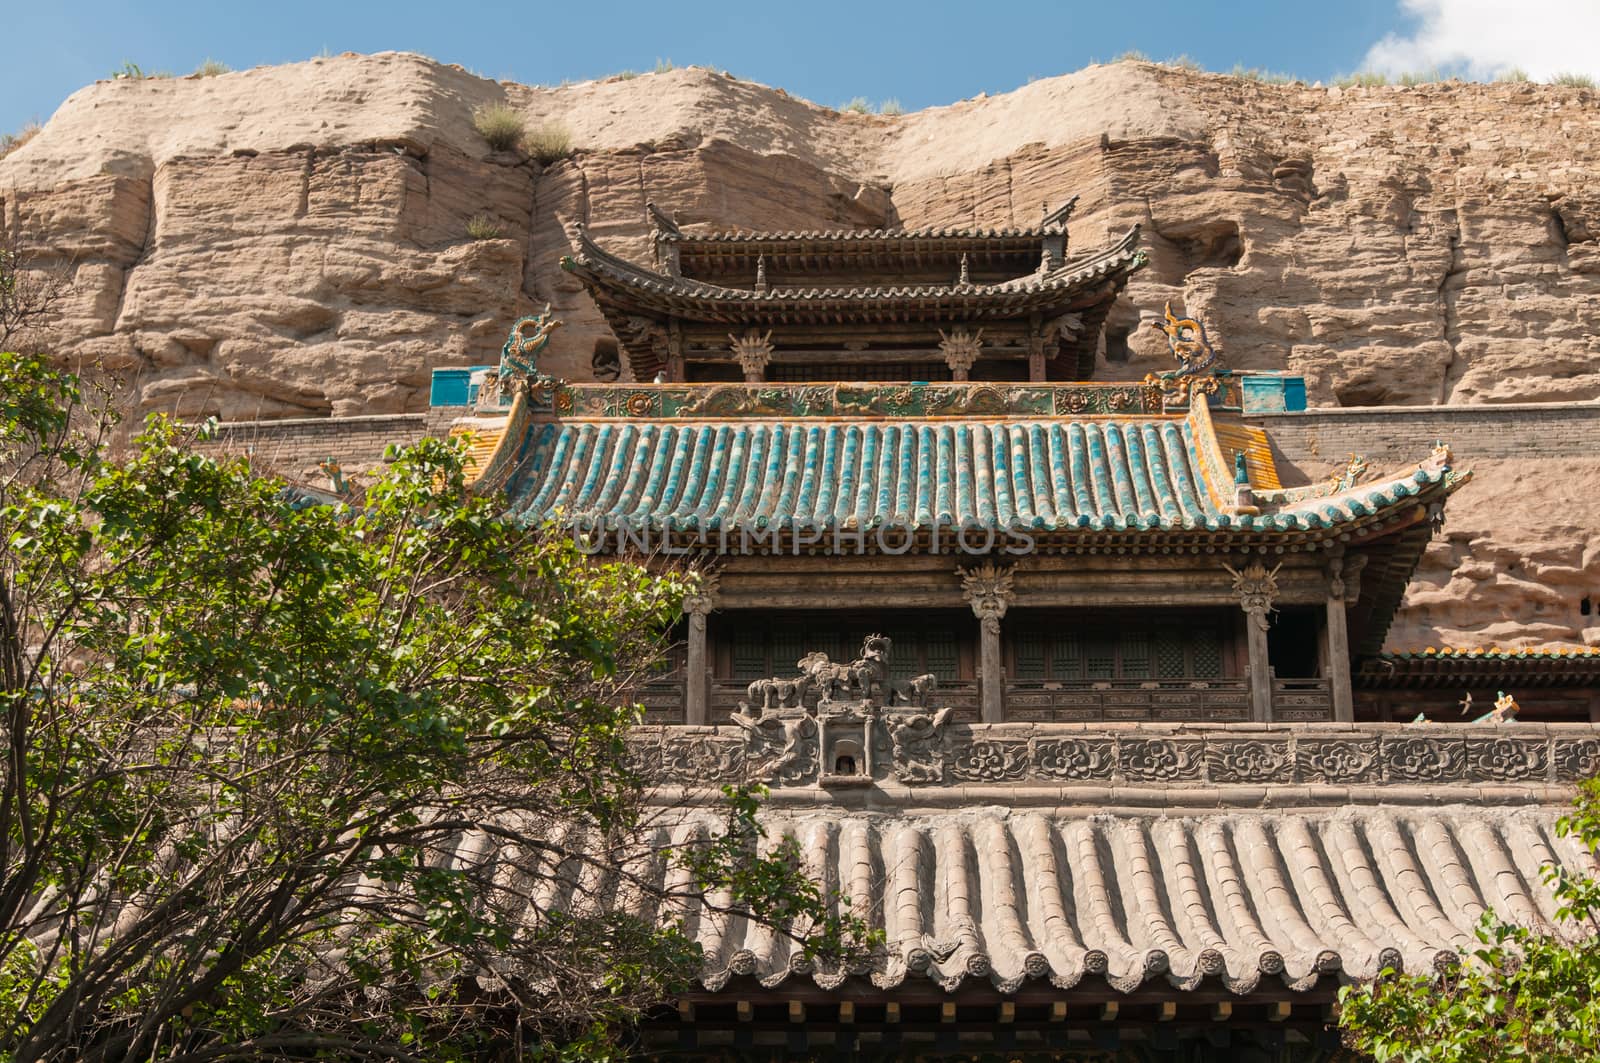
909,400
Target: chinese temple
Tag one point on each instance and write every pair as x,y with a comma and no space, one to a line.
1052,680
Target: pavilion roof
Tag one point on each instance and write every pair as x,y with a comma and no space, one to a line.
898,240
701,300
634,299
1155,478
1145,853
991,894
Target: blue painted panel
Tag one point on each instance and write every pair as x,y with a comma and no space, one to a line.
454,387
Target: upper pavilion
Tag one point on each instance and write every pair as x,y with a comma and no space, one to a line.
877,304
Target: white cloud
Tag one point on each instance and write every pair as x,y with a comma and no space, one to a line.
1482,38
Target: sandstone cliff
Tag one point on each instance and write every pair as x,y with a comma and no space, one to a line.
292,241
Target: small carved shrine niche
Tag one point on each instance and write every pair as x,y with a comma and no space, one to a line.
846,739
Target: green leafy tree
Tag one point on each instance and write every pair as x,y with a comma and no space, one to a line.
1521,994
291,781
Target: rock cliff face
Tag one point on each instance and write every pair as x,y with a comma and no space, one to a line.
292,241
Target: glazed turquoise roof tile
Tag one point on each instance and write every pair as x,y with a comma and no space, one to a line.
1104,475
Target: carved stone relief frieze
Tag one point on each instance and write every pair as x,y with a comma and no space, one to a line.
918,747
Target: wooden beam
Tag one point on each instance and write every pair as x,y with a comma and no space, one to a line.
1058,1011
891,1012
685,1011
1008,1012
1168,1011
1279,1010
847,1011
797,1011
1108,1011
746,1010
1221,1011
947,1011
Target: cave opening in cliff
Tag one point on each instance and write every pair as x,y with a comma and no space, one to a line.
606,361
1116,345
1216,246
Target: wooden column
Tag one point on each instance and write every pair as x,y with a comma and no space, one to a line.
697,670
676,371
1260,668
1257,588
987,588
1339,645
1036,367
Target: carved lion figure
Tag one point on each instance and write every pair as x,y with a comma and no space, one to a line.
778,693
916,690
870,671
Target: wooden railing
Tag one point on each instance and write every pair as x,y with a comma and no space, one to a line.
1122,699
1301,699
1219,700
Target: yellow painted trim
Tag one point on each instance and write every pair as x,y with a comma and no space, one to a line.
495,448
1213,470
1257,453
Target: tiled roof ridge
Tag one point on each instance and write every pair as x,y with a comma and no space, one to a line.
1465,653
1236,898
668,231
588,254
732,236
1050,474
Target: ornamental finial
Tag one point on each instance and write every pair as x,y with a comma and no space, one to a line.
1197,359
519,358
1190,345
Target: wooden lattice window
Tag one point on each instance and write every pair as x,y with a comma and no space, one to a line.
758,647
797,373
1111,651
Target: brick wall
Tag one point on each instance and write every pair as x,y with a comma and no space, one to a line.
296,446
1385,435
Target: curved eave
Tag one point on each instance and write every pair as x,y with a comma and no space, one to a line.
833,239
1116,485
1567,667
633,285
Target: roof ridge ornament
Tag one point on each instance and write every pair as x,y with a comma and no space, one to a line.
664,226
1198,361
519,361
1059,216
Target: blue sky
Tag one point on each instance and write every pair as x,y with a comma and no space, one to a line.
921,54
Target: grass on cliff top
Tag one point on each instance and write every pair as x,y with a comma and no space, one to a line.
1573,81
210,68
10,142
890,107
131,71
502,126
549,143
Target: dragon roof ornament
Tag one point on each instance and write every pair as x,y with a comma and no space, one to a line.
1198,361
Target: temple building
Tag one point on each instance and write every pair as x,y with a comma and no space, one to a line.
1053,680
